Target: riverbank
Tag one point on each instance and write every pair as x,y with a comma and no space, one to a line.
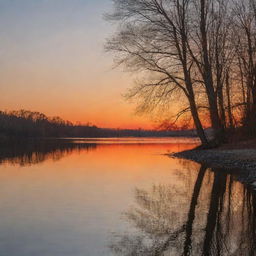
231,156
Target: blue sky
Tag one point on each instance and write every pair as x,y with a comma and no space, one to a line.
52,60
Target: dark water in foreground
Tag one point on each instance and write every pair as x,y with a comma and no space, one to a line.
121,197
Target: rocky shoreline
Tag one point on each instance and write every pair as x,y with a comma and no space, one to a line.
221,158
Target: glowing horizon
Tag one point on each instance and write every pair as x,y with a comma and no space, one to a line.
53,61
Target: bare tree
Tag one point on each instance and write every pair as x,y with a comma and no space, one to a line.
153,39
245,21
204,50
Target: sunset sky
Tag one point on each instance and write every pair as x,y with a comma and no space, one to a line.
53,61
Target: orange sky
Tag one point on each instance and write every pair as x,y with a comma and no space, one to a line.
53,61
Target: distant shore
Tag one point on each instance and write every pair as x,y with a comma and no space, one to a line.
232,156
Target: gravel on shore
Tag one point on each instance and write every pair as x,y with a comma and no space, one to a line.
221,158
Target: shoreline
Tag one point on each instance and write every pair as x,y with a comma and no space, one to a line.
221,158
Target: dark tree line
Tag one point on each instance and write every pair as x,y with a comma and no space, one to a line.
25,123
198,52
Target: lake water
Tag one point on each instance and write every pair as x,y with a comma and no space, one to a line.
121,197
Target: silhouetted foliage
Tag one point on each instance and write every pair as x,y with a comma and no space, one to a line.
24,123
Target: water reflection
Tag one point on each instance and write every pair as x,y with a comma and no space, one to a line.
71,206
31,152
214,216
35,151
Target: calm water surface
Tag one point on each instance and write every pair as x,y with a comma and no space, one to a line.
121,197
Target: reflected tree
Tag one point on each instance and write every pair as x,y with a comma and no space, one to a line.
216,218
156,221
192,209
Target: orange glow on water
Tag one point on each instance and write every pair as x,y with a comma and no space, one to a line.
77,197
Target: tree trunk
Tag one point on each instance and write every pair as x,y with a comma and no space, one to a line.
189,84
207,76
230,117
197,121
221,105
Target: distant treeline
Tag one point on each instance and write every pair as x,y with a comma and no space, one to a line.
24,123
